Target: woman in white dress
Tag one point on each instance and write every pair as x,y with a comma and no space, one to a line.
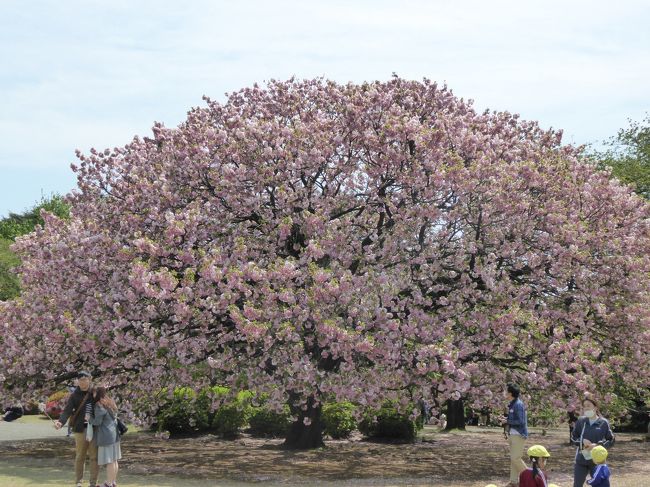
104,418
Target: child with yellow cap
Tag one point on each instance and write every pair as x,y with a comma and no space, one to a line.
534,475
600,475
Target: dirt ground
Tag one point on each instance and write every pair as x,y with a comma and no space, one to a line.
457,459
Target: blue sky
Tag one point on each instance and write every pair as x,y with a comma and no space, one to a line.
81,74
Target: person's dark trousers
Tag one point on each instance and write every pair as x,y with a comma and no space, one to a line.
580,471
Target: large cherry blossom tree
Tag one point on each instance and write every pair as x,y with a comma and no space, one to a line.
314,241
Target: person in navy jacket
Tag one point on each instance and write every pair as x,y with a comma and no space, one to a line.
590,431
516,428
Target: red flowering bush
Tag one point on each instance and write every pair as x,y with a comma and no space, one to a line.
56,403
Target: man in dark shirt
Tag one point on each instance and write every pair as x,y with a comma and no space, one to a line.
75,412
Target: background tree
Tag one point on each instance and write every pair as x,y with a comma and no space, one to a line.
313,241
629,156
9,287
15,225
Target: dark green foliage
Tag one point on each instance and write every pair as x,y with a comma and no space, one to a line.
188,412
184,412
264,422
232,415
9,285
338,419
17,224
629,156
630,409
390,424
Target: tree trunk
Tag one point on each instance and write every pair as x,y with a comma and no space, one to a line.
455,414
302,436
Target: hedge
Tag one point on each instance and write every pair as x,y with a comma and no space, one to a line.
390,423
338,419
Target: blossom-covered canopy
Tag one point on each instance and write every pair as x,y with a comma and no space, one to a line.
314,241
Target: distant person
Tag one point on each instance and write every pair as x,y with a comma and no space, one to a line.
425,411
573,417
590,431
74,412
484,417
12,413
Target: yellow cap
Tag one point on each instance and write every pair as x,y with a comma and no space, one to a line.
599,454
553,485
538,451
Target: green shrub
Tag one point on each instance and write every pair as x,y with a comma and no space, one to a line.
184,412
187,412
264,422
231,416
338,419
390,424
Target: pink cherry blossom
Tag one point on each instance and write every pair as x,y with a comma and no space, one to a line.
315,241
